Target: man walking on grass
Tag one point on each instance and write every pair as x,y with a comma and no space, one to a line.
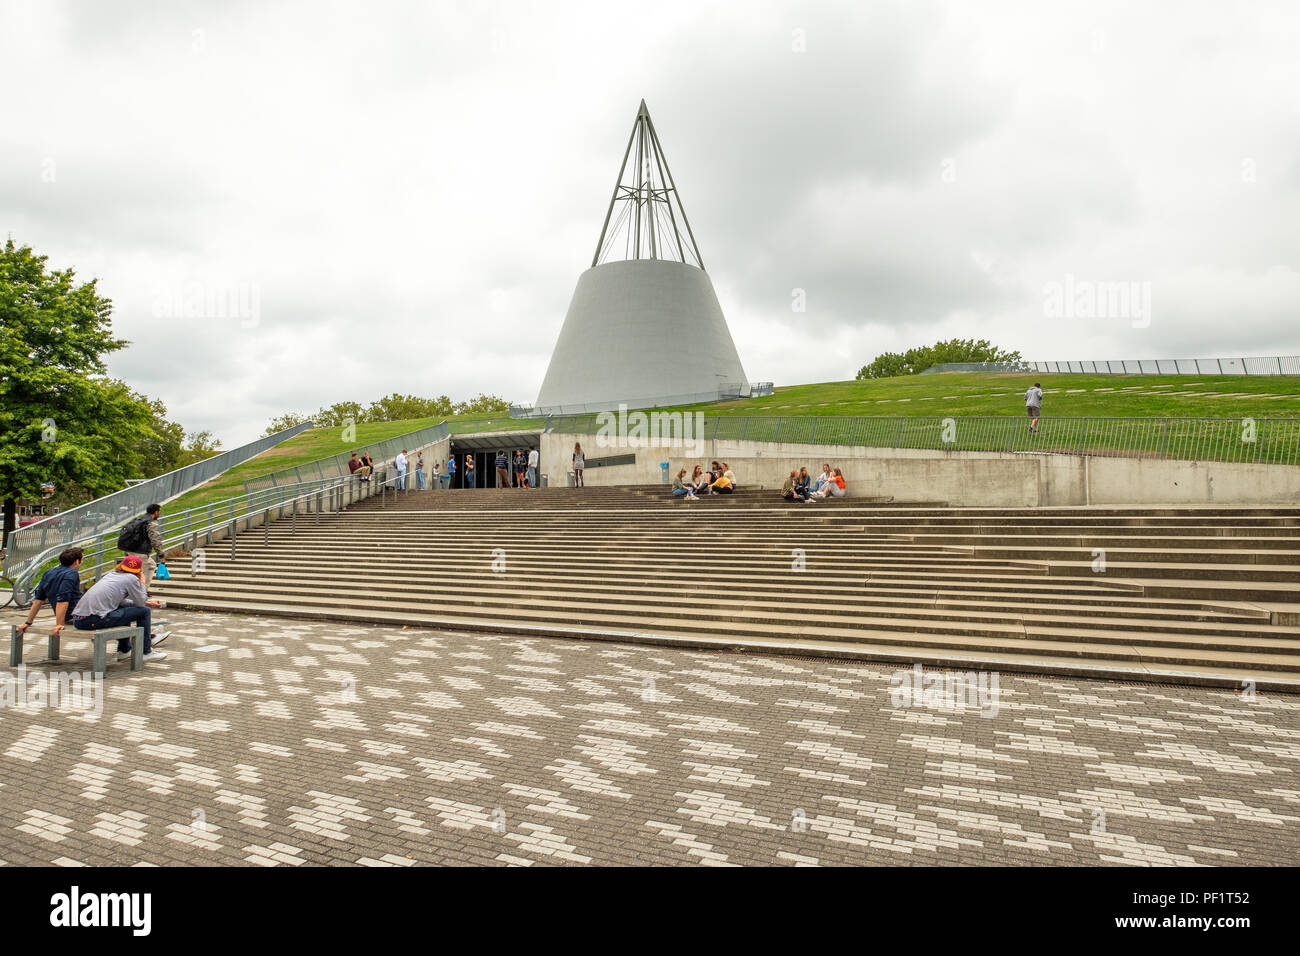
1034,406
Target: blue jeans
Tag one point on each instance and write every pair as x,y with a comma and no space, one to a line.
419,479
401,480
532,477
678,492
471,479
121,617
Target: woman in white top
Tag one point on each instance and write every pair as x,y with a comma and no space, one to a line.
579,463
825,477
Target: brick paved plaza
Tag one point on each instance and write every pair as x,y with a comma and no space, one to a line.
279,742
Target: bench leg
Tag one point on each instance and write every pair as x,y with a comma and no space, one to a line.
137,649
15,646
53,648
101,643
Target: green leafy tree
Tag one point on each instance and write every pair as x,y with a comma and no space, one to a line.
917,360
199,446
164,447
61,419
287,420
392,408
483,404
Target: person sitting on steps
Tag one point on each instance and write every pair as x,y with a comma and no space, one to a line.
700,480
790,490
823,478
803,482
835,488
682,488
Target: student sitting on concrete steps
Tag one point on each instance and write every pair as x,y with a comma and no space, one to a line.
835,488
790,491
683,488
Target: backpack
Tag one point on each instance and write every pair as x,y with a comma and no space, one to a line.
134,536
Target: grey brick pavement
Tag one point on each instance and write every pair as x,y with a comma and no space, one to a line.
281,743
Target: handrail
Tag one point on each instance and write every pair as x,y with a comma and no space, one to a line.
343,492
112,511
1253,365
336,466
1249,440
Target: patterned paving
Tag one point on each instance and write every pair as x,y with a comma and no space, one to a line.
282,743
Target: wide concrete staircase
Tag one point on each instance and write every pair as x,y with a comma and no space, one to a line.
1177,594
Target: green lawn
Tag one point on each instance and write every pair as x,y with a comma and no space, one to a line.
955,394
989,393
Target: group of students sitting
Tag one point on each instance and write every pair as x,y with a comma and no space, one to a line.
800,487
718,480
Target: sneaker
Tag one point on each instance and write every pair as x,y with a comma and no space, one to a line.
809,501
123,655
155,656
160,636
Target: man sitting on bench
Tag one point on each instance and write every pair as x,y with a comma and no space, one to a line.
119,600
61,586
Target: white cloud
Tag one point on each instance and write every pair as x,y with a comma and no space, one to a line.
412,189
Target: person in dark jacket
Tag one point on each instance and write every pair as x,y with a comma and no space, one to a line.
61,587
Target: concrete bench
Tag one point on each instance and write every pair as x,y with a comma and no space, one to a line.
100,639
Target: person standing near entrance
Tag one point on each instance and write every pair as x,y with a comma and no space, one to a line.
449,479
579,462
533,459
400,463
437,474
503,469
419,472
1034,406
471,479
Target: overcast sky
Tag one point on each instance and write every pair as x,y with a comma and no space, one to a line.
402,195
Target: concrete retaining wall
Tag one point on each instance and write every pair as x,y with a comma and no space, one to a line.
959,478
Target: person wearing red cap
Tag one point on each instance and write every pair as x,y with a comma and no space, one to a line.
119,599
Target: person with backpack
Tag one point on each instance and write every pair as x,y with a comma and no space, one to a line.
61,587
140,537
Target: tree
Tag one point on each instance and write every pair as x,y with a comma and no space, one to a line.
199,446
61,419
164,446
392,408
287,420
917,360
483,404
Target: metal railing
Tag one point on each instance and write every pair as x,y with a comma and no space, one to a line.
1258,440
1267,365
220,520
336,466
112,511
726,391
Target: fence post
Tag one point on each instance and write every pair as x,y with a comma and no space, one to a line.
266,526
853,432
898,435
234,526
1083,427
